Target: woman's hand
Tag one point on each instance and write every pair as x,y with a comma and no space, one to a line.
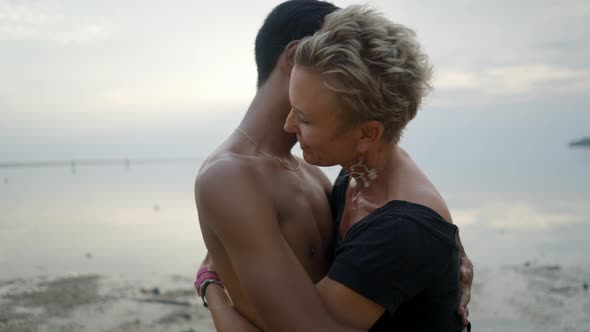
206,276
225,317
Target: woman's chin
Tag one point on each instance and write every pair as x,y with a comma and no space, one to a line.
316,161
309,158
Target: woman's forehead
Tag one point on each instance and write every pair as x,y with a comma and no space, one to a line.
308,91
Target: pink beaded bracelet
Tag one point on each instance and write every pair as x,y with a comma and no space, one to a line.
205,273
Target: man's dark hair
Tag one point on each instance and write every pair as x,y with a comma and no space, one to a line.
289,21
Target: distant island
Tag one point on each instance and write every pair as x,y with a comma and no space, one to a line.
582,142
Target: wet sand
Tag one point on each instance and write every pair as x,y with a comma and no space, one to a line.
532,297
529,297
100,303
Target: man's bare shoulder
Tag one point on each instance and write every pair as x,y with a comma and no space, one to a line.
317,175
230,180
227,170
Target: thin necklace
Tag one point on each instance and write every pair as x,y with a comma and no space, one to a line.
268,155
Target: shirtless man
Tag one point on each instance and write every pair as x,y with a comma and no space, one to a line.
265,214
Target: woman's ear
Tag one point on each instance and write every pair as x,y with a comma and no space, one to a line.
371,133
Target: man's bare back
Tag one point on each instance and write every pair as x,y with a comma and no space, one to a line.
300,202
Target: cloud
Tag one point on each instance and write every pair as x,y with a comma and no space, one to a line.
572,9
521,214
465,217
511,79
521,79
42,22
455,79
181,86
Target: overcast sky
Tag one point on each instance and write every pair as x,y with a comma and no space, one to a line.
87,65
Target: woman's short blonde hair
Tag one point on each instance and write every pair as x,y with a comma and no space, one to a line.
377,67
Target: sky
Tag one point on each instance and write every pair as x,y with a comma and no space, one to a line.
83,69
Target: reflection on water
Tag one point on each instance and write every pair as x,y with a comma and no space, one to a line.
143,218
511,228
107,220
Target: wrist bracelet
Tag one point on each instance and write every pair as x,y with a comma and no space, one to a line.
203,289
204,273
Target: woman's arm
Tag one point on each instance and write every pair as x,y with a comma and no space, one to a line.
225,317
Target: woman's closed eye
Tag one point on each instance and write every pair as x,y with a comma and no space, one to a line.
301,119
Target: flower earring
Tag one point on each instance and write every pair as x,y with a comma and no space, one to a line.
361,171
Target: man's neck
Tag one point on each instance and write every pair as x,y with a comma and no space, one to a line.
265,119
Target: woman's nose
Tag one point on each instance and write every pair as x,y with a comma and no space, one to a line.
290,125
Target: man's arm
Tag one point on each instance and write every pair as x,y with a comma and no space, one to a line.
232,205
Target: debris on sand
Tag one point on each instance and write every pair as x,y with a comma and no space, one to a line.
97,303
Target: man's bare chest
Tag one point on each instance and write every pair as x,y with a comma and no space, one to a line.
303,214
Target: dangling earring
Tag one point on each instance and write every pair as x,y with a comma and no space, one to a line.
360,170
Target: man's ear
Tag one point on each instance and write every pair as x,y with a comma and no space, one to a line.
287,58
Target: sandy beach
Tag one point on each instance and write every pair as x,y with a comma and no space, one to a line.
531,297
100,303
528,297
